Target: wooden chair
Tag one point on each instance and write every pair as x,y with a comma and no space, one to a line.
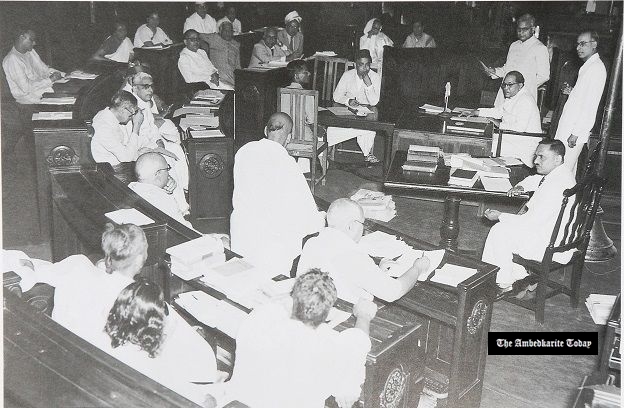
573,235
302,106
332,69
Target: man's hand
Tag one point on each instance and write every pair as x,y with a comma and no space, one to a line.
386,264
515,191
566,88
170,186
422,264
572,141
346,401
474,112
490,71
27,263
214,78
55,76
137,120
367,80
353,102
364,309
492,215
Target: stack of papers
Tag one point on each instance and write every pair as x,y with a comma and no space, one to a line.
52,116
599,307
219,314
326,53
129,216
463,178
238,280
205,133
452,275
471,119
81,75
60,100
432,108
192,258
194,110
376,205
211,122
277,63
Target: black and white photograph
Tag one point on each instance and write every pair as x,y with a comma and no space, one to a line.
314,204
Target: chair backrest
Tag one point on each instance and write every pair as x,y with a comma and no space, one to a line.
302,106
579,215
332,69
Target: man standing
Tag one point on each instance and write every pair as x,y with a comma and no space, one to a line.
528,56
200,21
194,64
149,34
374,41
579,112
273,209
519,113
267,50
224,52
28,76
359,86
291,37
337,252
528,234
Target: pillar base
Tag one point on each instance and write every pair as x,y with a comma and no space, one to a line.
600,246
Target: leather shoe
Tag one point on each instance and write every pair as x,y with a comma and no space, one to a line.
502,292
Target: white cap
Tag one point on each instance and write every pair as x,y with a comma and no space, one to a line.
293,15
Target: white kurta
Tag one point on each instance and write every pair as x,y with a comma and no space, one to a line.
263,54
113,142
28,76
195,66
204,25
531,59
144,34
352,86
375,45
352,269
520,114
122,54
160,199
236,25
273,208
579,112
528,234
282,363
426,41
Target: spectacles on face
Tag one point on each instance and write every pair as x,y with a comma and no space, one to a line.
524,29
193,39
584,43
360,222
146,86
132,113
167,169
508,84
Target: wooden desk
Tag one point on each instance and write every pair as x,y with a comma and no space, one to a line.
376,121
164,67
410,182
458,320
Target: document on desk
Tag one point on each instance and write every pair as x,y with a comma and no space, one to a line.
63,100
471,119
432,108
340,111
81,75
201,305
382,245
129,216
405,262
452,275
497,184
52,116
194,110
206,133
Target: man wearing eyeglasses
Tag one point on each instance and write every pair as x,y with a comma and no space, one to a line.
194,64
579,112
527,55
519,113
152,171
336,251
268,50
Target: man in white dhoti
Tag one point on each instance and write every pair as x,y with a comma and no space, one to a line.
528,234
519,113
374,41
152,171
528,56
194,64
149,34
273,209
579,112
28,76
359,86
156,132
117,47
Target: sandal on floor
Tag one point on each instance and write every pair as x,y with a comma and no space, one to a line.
372,159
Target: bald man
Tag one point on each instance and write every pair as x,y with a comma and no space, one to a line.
154,182
273,209
337,252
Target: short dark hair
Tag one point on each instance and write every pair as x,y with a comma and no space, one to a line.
118,23
555,146
364,54
295,67
121,98
593,34
21,31
138,317
187,33
313,295
517,75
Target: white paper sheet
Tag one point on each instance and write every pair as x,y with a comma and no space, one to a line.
499,184
129,216
407,260
61,100
452,275
52,116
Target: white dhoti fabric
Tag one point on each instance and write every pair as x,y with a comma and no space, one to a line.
365,138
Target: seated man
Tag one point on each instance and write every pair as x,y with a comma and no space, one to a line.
194,64
359,86
149,34
267,50
291,37
528,234
117,47
28,76
231,17
519,113
287,356
356,276
273,209
418,38
158,133
152,172
224,52
77,306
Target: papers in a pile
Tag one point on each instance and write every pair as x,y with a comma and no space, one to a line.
192,258
129,216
